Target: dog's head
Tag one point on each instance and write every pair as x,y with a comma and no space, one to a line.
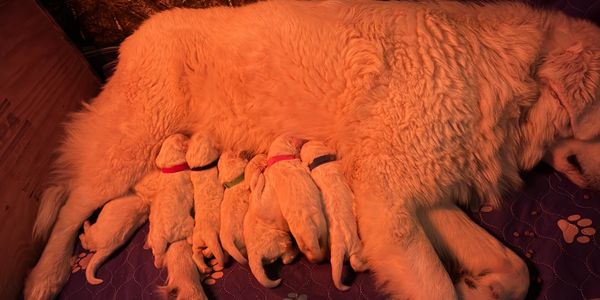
313,149
232,164
202,150
253,169
285,144
570,74
172,151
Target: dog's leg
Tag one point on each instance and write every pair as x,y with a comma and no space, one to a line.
395,245
485,269
53,269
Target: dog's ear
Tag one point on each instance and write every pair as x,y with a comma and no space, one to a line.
573,74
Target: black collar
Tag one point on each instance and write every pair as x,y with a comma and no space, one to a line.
206,167
321,160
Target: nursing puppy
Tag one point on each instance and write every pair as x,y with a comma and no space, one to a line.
170,219
298,197
265,230
430,103
116,223
202,157
338,200
235,203
183,277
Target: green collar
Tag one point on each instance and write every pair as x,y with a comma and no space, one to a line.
235,181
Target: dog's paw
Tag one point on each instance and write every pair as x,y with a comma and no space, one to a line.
215,274
44,284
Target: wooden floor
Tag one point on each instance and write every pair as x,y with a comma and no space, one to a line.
42,77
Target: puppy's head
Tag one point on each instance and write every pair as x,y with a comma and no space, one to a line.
313,149
231,165
570,74
285,144
172,151
254,167
202,150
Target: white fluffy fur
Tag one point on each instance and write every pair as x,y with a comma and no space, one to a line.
170,219
117,222
234,205
208,194
183,277
427,102
338,201
266,232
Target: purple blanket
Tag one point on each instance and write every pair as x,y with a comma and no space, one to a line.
551,223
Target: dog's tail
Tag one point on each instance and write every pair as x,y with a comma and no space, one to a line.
338,254
53,198
95,262
215,247
233,250
258,270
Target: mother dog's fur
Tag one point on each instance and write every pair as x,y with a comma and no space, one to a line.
426,103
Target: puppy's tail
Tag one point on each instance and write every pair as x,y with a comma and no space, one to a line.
233,250
215,247
258,270
95,262
337,262
53,198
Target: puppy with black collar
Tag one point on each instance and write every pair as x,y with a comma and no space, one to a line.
202,157
338,200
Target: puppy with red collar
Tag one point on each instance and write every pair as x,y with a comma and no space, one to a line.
202,157
117,222
338,200
235,202
266,232
170,219
298,197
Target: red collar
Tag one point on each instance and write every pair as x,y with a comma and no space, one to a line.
175,168
278,158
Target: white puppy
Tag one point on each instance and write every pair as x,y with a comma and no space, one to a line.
265,230
170,219
117,222
338,200
235,203
298,197
183,278
202,157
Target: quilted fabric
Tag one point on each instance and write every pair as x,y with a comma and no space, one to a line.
551,223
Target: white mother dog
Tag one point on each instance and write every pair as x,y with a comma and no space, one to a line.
427,104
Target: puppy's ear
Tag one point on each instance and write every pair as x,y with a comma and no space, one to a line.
574,76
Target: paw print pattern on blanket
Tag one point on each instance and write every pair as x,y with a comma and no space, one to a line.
81,261
574,228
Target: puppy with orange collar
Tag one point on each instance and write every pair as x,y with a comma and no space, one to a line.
202,157
170,219
338,200
266,232
235,203
298,196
